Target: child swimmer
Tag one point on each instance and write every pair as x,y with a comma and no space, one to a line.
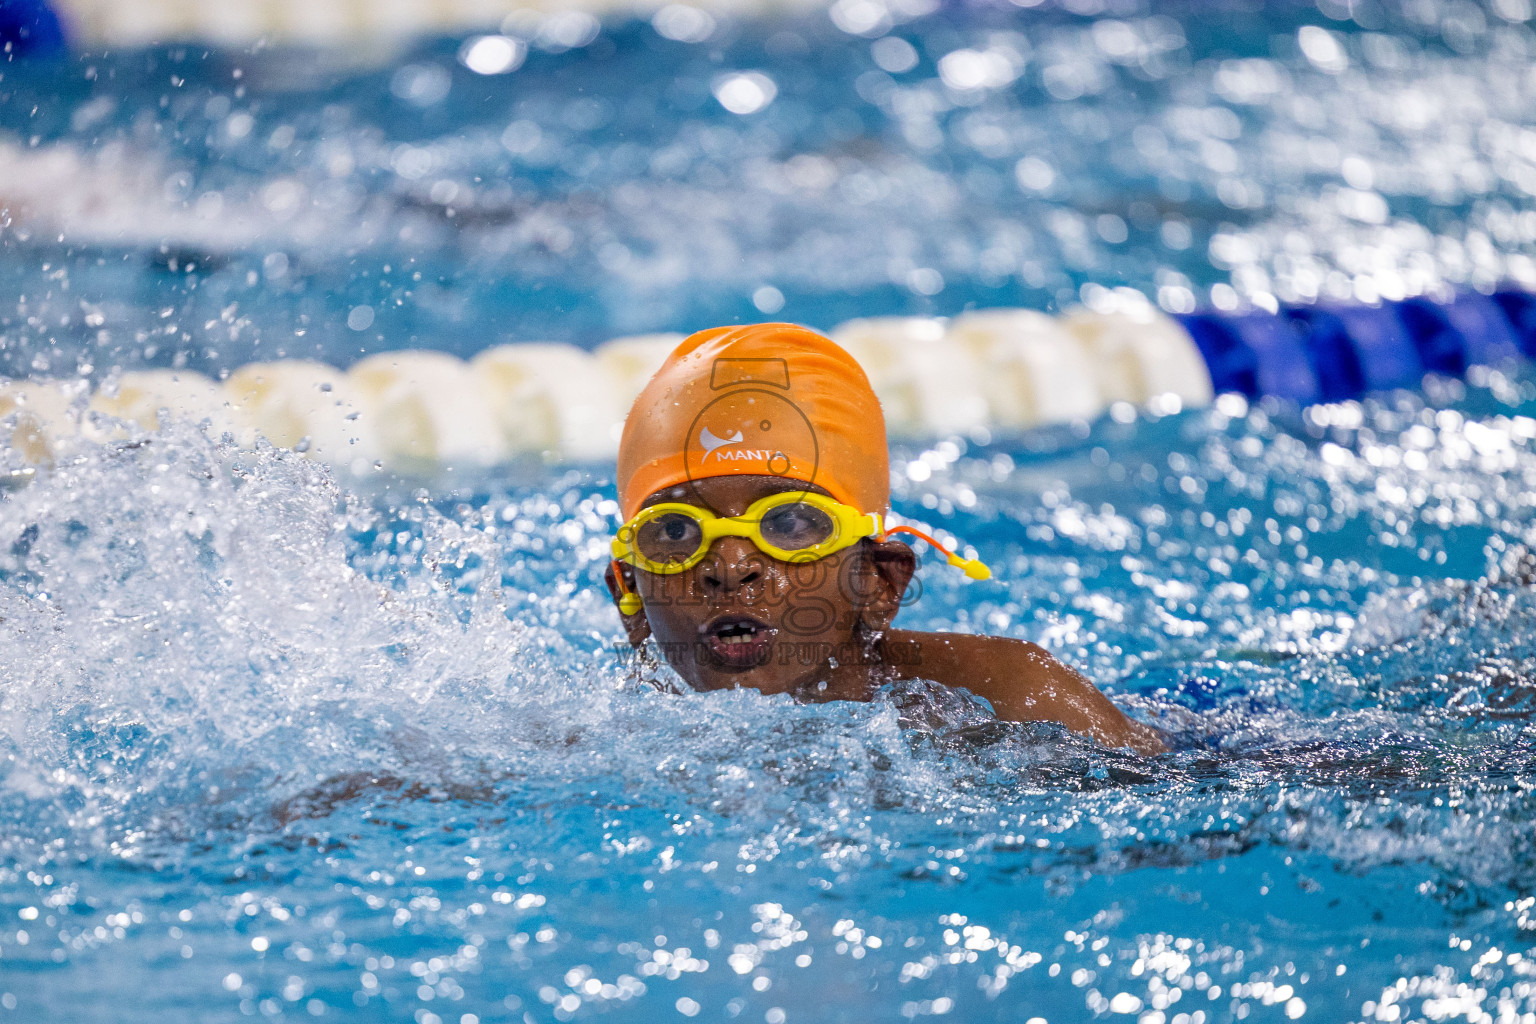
753,478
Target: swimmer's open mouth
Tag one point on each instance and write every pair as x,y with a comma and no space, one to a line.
737,641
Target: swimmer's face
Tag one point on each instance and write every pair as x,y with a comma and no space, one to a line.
741,618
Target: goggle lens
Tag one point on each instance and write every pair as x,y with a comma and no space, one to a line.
797,526
669,537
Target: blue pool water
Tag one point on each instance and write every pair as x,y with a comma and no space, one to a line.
1270,153
290,746
276,750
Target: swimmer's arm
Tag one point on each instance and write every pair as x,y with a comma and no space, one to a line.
1022,682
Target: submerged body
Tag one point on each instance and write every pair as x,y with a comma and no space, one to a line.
779,575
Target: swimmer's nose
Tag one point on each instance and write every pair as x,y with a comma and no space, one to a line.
731,564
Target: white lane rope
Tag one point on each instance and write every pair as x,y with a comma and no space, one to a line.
994,370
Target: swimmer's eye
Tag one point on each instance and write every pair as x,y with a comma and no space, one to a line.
797,526
669,537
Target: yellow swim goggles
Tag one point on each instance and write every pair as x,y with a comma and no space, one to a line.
796,526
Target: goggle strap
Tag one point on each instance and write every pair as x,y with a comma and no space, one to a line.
974,568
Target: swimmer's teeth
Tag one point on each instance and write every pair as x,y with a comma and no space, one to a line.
740,635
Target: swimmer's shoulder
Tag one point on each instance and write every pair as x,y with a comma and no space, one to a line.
1021,680
959,659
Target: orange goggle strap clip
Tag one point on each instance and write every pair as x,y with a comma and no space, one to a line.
629,601
973,567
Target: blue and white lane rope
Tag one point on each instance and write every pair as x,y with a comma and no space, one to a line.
986,371
1309,354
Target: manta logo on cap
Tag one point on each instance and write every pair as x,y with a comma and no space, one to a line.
711,444
720,448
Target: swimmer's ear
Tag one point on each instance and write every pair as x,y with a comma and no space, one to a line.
637,626
893,564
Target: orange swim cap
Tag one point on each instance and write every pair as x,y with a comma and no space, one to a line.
765,399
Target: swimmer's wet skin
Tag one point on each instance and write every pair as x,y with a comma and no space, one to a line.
754,481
